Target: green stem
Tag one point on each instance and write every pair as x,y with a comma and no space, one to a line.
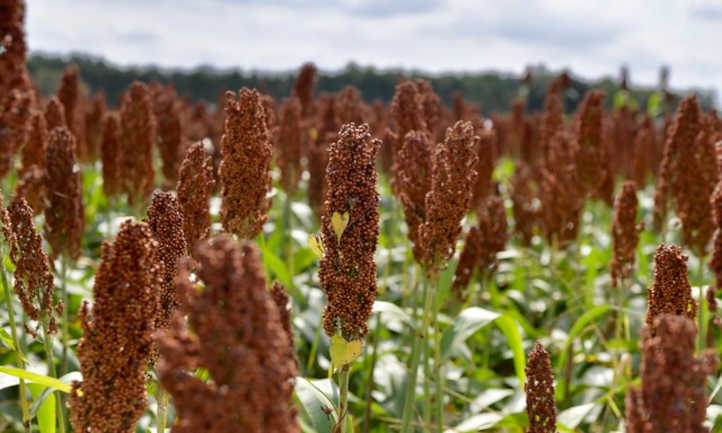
370,379
342,423
438,367
66,308
16,344
428,396
48,344
162,408
415,358
314,346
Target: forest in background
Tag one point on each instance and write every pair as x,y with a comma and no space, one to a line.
492,91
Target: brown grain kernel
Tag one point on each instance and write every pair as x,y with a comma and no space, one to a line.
539,389
238,336
117,334
625,233
195,187
348,270
670,292
138,132
245,162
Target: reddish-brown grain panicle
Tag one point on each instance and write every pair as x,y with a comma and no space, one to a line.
65,213
486,150
412,172
94,117
195,187
525,199
110,151
282,300
69,96
303,89
318,152
54,114
117,334
138,132
348,270
33,279
539,389
468,261
170,134
14,127
670,292
635,417
453,176
644,151
166,222
588,147
625,233
673,379
560,196
238,336
493,226
715,263
31,187
245,162
407,109
349,106
12,46
431,105
291,136
552,118
33,153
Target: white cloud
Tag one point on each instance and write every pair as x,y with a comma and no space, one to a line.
591,38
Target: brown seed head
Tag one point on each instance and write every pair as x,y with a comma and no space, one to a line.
625,233
14,47
635,416
350,106
539,389
195,187
552,118
291,137
14,126
645,147
138,132
166,222
31,187
170,133
54,114
94,117
468,261
524,197
65,213
33,153
282,301
431,105
33,278
673,379
245,162
117,334
348,270
69,95
110,151
670,292
407,109
492,223
486,150
305,83
715,263
453,176
238,336
588,147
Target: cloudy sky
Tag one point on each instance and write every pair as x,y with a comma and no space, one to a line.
593,38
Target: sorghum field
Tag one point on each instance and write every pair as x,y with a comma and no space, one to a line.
319,264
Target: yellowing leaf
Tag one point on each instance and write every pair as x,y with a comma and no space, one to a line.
344,352
315,244
339,223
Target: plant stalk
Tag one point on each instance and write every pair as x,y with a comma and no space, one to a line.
162,408
48,344
370,380
438,367
342,423
19,355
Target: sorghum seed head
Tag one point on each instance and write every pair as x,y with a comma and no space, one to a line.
539,389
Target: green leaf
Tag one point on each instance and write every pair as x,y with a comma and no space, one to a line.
476,423
574,416
391,309
344,352
315,244
316,404
339,223
511,330
36,378
277,267
578,327
465,325
44,407
6,339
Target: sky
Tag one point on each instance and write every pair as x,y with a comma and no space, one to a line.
592,38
